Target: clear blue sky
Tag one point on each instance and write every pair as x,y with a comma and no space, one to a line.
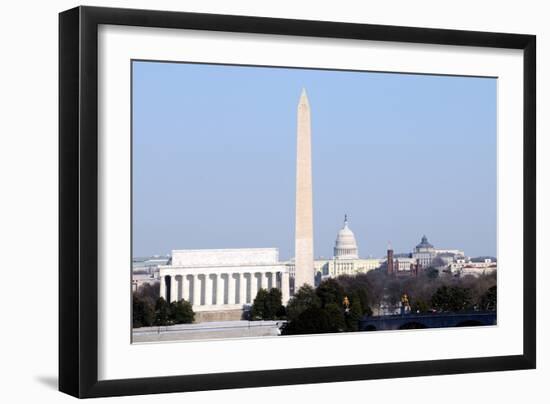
403,155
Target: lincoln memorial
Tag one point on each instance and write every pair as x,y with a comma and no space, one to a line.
222,282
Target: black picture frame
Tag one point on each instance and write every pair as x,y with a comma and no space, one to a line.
78,201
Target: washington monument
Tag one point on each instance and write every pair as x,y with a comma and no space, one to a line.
304,200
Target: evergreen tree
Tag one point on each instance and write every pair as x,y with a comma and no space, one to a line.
335,316
275,302
137,312
330,291
305,298
267,305
148,314
162,312
452,298
360,293
353,314
259,306
143,313
312,320
181,312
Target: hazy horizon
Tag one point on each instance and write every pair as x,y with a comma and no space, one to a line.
404,155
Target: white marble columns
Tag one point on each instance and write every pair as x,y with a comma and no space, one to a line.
186,285
253,286
274,281
163,287
210,290
263,277
173,289
285,286
195,290
220,291
231,289
242,289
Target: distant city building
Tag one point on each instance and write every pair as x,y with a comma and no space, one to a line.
149,265
465,267
404,263
425,256
146,270
424,253
140,279
401,264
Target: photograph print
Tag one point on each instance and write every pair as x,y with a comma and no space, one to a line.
281,201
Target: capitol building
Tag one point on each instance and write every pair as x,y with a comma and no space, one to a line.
345,260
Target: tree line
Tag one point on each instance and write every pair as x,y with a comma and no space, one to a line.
331,307
148,309
337,304
430,291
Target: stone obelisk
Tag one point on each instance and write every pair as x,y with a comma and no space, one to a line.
304,198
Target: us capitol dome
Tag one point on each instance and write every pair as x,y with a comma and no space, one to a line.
345,260
345,246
